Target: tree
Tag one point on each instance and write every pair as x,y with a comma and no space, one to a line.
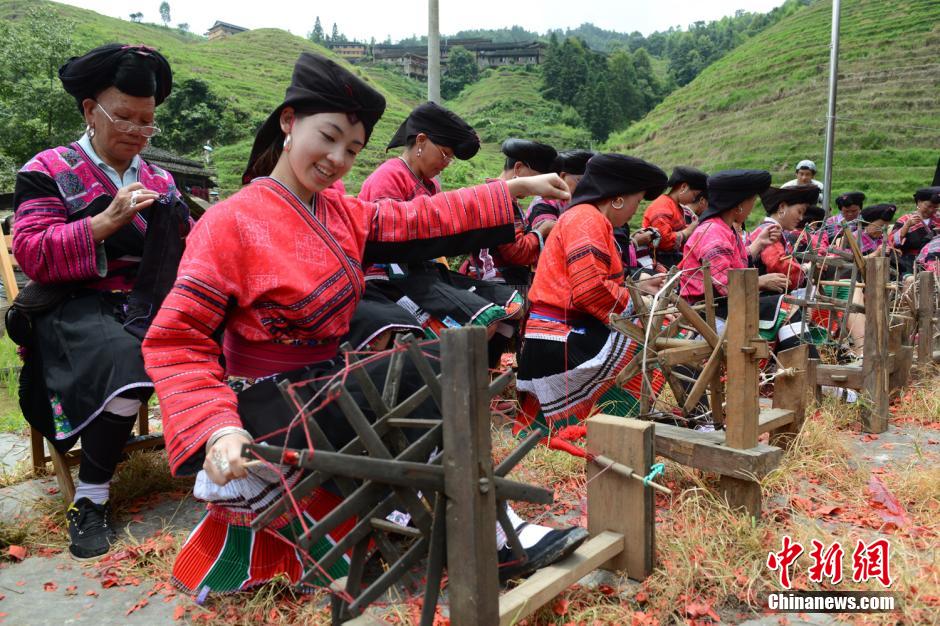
165,12
566,69
316,35
137,17
334,35
630,101
192,115
183,27
597,106
462,69
36,111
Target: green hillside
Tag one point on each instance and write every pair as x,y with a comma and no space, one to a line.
764,104
506,102
251,70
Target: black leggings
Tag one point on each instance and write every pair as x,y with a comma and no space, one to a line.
102,445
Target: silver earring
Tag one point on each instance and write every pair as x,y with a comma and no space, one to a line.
287,142
90,131
419,151
617,207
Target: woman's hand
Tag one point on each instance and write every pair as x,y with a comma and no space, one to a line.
773,282
545,185
641,237
914,220
545,228
651,284
224,459
767,236
688,230
127,203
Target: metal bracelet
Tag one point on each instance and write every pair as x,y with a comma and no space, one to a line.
540,238
226,430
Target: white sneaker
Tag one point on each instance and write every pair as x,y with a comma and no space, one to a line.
848,395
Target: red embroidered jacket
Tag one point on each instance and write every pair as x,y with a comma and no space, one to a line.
275,272
666,216
777,258
580,268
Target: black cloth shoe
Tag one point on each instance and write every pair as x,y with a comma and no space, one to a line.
554,546
90,529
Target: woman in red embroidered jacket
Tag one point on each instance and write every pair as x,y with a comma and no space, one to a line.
731,198
511,263
429,296
570,358
276,270
785,209
913,230
665,214
101,228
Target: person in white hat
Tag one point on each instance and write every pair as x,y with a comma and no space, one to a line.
805,175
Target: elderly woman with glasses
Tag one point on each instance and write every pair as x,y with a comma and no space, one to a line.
99,233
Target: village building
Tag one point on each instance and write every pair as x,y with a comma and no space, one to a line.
223,29
350,50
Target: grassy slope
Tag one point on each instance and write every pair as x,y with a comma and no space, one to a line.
764,104
252,70
506,102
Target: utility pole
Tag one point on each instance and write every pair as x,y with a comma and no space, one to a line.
434,52
831,116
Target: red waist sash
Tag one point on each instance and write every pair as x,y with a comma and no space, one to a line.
256,359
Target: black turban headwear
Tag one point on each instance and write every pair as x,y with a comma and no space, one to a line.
729,188
135,70
612,175
695,179
812,214
850,198
318,85
797,194
878,212
572,162
931,194
538,156
443,127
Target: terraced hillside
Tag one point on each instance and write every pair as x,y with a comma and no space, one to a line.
764,104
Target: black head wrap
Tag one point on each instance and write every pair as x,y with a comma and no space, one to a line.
538,156
135,70
928,193
812,214
443,127
797,194
695,179
318,85
572,161
729,188
850,198
612,175
878,212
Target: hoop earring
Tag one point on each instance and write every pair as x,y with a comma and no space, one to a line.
89,130
617,207
287,143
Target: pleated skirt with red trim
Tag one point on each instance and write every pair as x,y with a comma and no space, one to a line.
224,554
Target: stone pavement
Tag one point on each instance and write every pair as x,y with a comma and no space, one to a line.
59,590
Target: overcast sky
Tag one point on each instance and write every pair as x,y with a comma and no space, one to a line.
363,19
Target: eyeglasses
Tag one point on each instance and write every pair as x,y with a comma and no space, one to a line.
123,126
447,159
